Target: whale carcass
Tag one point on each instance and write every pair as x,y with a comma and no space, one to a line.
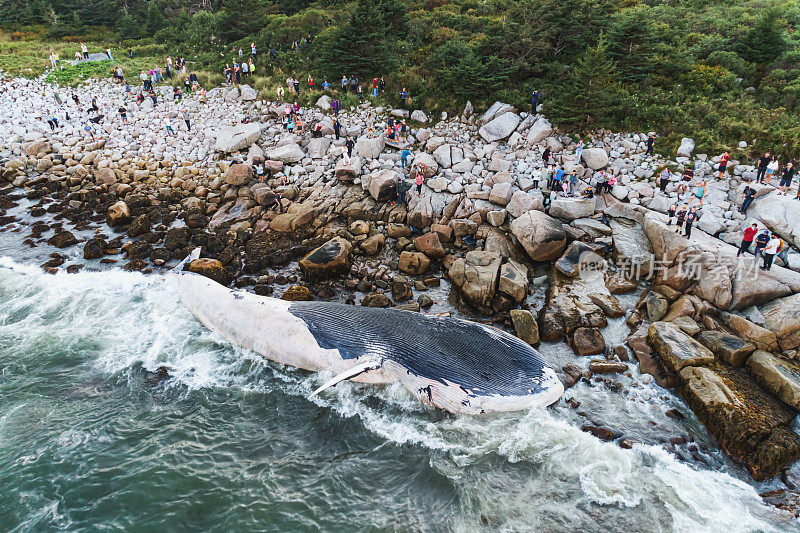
453,364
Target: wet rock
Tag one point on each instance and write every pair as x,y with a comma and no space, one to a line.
762,338
210,268
413,263
786,500
177,238
513,280
373,244
746,421
139,226
118,214
676,348
62,239
575,257
94,248
601,433
376,299
297,293
429,245
727,348
588,341
476,276
328,260
657,306
542,236
779,376
525,326
601,366
572,375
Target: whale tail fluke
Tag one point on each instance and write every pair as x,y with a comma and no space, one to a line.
372,363
195,254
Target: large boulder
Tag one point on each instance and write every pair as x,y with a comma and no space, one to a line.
326,261
413,263
236,138
762,338
777,375
782,316
497,109
676,348
632,248
522,202
540,130
430,245
595,158
542,236
476,276
746,421
569,209
247,93
500,127
588,341
324,102
345,171
238,174
287,153
381,184
317,148
525,326
779,214
419,116
210,268
370,148
686,148
728,348
513,280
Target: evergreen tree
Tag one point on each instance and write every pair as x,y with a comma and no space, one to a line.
359,47
765,41
126,26
155,19
461,71
591,92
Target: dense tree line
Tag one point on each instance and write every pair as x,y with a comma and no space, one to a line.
715,69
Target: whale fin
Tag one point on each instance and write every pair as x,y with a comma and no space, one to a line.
195,254
369,364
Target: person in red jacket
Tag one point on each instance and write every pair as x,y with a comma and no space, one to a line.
723,164
375,87
747,240
310,82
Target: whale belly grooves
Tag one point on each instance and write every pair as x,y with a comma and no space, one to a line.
457,365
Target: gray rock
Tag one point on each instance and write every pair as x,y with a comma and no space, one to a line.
237,137
540,130
500,127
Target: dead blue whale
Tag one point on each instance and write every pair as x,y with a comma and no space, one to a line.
456,365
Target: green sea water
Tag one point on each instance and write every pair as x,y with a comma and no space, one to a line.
90,442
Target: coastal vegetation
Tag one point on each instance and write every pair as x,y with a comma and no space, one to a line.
717,71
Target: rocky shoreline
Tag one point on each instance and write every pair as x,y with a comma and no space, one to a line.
723,335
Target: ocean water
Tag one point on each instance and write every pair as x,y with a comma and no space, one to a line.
231,443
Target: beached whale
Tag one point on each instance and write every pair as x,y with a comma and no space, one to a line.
457,365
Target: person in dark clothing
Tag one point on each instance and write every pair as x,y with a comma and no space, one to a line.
382,85
546,155
671,214
747,239
350,145
534,101
679,218
761,243
335,106
353,84
337,128
650,142
297,86
403,97
786,178
749,194
691,218
762,167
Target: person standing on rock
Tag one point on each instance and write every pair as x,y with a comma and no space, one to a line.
679,218
573,183
578,152
108,53
345,83
761,242
84,51
600,183
349,144
374,87
557,179
691,218
723,164
651,139
772,168
534,101
168,125
762,167
404,157
546,156
772,248
353,84
337,128
280,93
187,120
537,175
700,192
335,107
688,175
420,177
747,239
245,69
786,178
403,97
671,214
123,113
87,127
401,187
52,121
611,181
664,180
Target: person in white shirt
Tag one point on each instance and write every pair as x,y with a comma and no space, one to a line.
108,53
537,175
168,125
773,247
